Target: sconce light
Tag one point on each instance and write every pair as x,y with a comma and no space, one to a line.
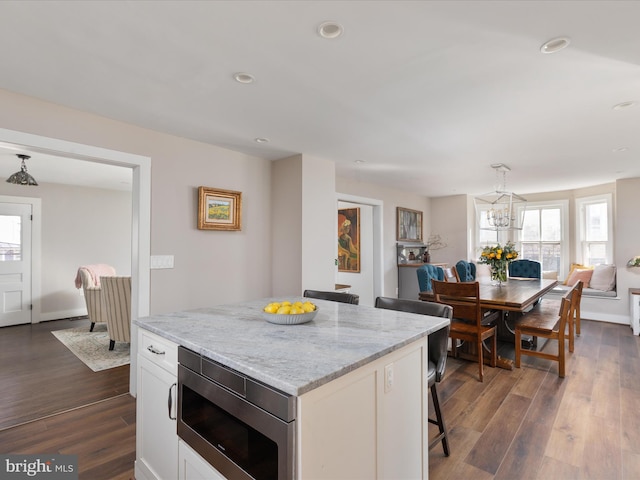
22,177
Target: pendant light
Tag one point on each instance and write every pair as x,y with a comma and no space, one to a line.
22,177
501,209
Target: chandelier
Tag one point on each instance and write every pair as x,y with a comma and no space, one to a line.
500,209
22,177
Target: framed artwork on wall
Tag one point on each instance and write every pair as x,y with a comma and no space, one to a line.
409,228
219,209
349,240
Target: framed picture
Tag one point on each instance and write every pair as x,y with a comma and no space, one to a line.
409,225
349,240
219,209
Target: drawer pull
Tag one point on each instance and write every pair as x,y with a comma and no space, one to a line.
154,350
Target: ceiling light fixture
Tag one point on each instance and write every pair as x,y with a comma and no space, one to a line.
261,140
555,45
620,149
242,77
500,209
330,30
22,177
624,105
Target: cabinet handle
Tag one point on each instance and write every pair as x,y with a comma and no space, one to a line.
170,402
154,350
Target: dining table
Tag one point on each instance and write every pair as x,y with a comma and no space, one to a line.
515,295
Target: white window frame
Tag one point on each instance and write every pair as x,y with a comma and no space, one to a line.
581,243
563,205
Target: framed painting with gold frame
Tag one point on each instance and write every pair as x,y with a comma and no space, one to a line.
409,227
349,240
219,209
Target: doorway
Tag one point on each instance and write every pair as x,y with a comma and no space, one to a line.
375,285
141,213
15,262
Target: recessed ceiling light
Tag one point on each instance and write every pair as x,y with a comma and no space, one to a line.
262,140
623,105
330,30
359,161
242,77
620,149
555,45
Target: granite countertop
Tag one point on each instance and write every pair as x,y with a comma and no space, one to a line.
292,358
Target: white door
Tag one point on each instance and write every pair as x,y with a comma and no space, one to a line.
15,264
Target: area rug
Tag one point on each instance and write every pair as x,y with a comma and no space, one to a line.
93,347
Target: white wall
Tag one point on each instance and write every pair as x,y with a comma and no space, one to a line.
303,225
449,220
80,226
211,267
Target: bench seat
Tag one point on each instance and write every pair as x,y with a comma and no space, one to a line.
586,292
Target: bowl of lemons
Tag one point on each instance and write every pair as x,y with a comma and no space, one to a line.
289,313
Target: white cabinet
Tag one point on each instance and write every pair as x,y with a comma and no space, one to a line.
370,423
156,435
634,299
192,466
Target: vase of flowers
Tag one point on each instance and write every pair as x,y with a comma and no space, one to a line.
498,258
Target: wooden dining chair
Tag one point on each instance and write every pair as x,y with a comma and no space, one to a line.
550,325
550,308
451,274
467,323
437,354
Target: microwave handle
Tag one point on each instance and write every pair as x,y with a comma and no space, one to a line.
170,401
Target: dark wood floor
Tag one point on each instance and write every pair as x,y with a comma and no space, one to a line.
525,423
51,402
530,424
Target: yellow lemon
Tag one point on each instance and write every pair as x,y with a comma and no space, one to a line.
295,310
298,304
284,309
308,307
271,308
286,302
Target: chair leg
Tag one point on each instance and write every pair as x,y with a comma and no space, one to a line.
577,315
480,359
112,344
93,324
518,347
494,351
561,356
442,435
571,323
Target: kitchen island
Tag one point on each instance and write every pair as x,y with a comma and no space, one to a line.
358,374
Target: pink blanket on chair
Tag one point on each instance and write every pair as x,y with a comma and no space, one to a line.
95,272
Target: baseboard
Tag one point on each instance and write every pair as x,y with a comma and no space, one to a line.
606,317
59,315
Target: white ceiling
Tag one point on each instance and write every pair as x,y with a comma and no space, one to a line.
426,94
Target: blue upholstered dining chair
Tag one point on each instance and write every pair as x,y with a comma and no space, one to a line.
426,273
525,269
466,271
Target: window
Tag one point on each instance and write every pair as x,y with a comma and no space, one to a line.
595,237
544,236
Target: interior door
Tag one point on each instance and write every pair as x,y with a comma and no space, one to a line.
15,264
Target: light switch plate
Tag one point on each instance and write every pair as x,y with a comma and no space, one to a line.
161,261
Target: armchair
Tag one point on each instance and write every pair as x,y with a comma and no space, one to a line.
525,269
426,273
466,271
116,295
88,277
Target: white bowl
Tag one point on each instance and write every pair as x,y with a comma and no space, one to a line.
289,319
